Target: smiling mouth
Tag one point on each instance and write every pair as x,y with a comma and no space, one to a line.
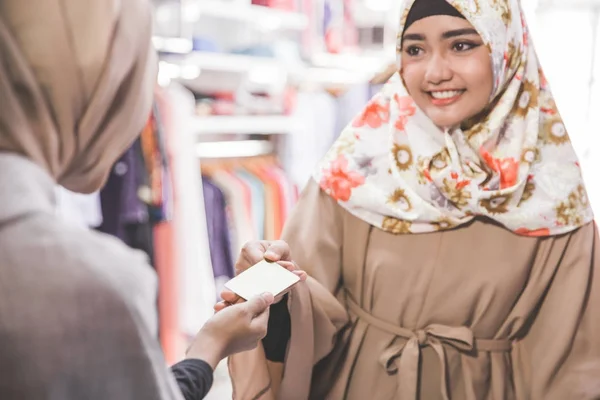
445,97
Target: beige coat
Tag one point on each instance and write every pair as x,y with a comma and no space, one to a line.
473,313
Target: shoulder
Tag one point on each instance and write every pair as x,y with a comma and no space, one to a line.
313,197
71,261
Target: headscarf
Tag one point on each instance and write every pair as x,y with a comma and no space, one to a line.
76,84
393,168
426,8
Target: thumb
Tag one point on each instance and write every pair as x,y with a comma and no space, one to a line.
258,304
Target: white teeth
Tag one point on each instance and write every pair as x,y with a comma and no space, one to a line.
446,94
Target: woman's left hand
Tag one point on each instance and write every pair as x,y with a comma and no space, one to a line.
253,252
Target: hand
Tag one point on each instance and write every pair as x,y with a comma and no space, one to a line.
254,252
236,329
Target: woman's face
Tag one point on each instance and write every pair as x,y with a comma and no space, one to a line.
447,69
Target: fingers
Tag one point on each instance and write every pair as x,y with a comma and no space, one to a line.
220,306
254,252
289,265
258,304
230,297
251,253
293,267
260,323
302,275
278,250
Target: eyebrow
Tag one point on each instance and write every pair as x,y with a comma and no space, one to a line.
459,32
445,35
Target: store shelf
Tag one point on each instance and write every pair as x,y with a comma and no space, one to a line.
224,62
331,69
366,62
263,17
243,125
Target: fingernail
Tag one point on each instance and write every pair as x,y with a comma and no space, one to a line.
270,254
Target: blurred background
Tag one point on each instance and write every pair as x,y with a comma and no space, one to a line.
250,95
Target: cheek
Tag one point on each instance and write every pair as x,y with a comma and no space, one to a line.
477,73
413,76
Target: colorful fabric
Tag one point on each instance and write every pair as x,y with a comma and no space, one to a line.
393,168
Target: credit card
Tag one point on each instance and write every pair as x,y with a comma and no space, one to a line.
260,278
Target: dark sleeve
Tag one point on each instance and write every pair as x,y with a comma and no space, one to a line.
194,378
279,331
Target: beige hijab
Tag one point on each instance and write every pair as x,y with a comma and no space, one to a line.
76,82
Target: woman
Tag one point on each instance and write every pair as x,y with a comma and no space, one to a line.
447,234
77,308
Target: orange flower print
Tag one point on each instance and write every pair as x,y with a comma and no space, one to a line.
507,168
406,109
374,115
338,182
427,174
459,184
543,80
457,195
549,108
533,233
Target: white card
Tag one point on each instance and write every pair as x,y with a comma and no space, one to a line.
260,278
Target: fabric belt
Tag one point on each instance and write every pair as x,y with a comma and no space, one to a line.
403,358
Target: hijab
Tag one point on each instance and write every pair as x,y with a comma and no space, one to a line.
427,8
76,83
393,168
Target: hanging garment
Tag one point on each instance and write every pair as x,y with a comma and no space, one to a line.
125,215
218,234
257,199
241,223
272,201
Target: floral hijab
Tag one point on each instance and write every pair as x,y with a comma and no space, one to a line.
393,168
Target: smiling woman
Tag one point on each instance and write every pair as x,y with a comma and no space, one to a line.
445,66
443,232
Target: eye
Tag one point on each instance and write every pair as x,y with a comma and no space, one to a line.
464,46
413,51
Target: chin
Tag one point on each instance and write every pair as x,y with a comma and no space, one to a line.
447,122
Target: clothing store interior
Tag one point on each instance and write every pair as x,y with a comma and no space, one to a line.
250,97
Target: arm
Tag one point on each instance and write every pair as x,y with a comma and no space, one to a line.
238,328
559,358
138,369
194,378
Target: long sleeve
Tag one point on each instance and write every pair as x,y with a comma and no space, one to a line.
194,378
314,232
559,357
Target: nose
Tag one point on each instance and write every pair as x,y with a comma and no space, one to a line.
438,70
